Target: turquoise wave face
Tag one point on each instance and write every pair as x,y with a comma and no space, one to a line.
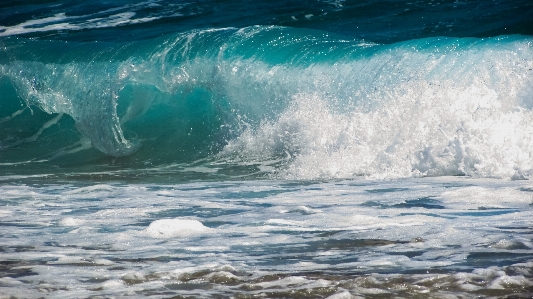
295,103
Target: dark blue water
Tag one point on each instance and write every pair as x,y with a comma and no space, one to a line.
377,21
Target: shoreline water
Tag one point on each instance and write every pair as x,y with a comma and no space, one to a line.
435,237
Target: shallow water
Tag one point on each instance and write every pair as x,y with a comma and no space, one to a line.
430,237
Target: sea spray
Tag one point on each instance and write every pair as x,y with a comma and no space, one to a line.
310,104
404,138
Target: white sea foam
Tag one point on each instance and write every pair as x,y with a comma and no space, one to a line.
118,16
443,135
487,198
136,239
113,284
69,221
412,113
169,228
342,295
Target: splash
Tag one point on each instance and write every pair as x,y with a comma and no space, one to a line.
300,104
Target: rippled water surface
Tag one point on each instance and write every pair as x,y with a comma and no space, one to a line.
452,237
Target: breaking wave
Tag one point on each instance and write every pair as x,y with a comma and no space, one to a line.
298,104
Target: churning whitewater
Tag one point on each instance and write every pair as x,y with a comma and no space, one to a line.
428,107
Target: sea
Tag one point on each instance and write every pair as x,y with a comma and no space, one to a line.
266,149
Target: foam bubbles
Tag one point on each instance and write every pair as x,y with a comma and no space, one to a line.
269,238
170,228
69,221
113,17
113,284
421,108
426,135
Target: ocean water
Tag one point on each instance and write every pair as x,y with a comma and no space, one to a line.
280,149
